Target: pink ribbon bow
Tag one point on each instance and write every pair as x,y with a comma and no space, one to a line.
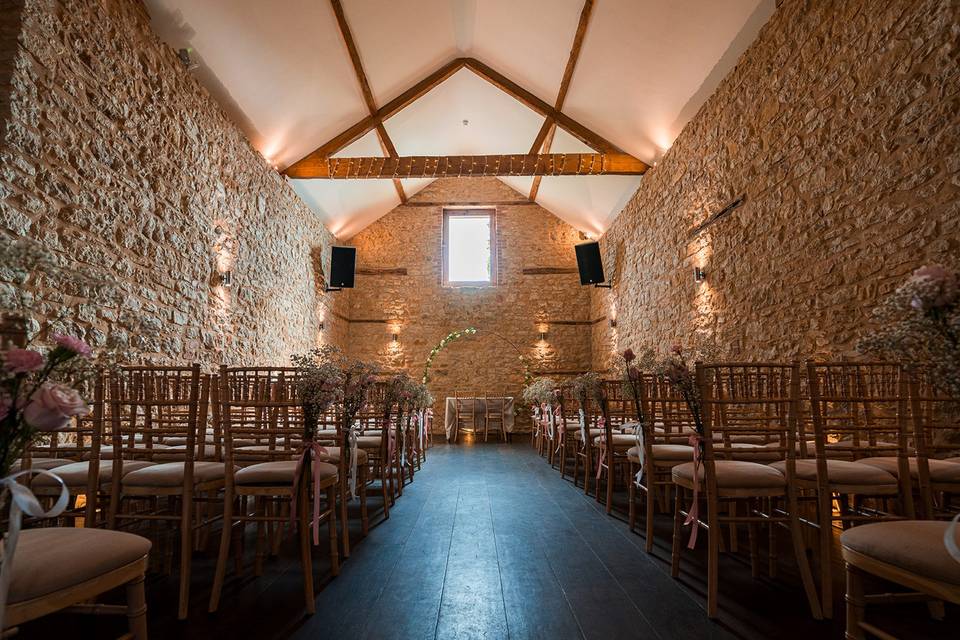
309,447
603,445
693,515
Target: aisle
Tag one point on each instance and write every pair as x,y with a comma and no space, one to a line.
489,542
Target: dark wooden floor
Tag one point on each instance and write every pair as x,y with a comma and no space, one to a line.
489,542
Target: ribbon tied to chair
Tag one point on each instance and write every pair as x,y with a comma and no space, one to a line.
316,451
352,442
561,427
693,515
641,453
950,538
601,423
23,501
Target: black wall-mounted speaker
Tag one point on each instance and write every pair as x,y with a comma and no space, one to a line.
589,263
343,261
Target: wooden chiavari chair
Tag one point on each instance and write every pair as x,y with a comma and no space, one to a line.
262,405
612,444
148,405
75,453
861,410
494,413
935,419
465,412
374,440
584,435
663,412
567,423
759,400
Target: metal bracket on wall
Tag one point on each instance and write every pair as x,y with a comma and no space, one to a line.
719,215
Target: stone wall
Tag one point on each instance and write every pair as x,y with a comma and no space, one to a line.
508,317
117,160
840,125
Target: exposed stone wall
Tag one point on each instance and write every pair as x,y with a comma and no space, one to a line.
421,311
116,159
840,124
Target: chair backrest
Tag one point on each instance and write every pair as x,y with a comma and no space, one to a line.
261,415
81,440
859,408
148,405
755,401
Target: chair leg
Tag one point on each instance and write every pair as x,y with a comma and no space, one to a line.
855,604
385,490
306,558
824,504
364,518
650,503
713,554
800,551
344,520
223,554
332,529
677,529
137,609
186,553
632,501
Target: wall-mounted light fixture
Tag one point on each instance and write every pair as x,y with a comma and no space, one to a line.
396,337
543,335
613,323
226,278
321,326
699,275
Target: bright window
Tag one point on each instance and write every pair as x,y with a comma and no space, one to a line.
469,247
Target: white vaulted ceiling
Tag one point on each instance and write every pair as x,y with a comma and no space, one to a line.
281,71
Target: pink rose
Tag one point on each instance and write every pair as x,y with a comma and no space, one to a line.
22,361
52,405
73,344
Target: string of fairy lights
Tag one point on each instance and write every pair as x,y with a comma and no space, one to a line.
575,164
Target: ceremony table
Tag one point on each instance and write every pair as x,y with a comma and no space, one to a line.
479,408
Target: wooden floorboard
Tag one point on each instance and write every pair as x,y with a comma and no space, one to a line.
489,542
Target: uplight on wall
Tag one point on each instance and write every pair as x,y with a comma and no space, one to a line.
226,278
396,338
699,275
543,335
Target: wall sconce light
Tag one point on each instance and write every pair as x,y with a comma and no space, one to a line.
613,323
543,335
699,275
396,337
321,326
226,278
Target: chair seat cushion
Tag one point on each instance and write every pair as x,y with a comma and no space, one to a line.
170,474
41,463
953,460
841,472
912,545
52,559
279,472
620,440
177,452
333,455
75,474
106,451
940,470
734,474
748,451
179,441
665,453
369,442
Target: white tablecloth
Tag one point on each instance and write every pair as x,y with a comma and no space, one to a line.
450,416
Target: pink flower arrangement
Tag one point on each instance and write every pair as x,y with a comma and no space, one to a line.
22,361
73,344
52,406
31,400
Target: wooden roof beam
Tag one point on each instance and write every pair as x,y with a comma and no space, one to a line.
386,145
556,164
369,123
544,139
